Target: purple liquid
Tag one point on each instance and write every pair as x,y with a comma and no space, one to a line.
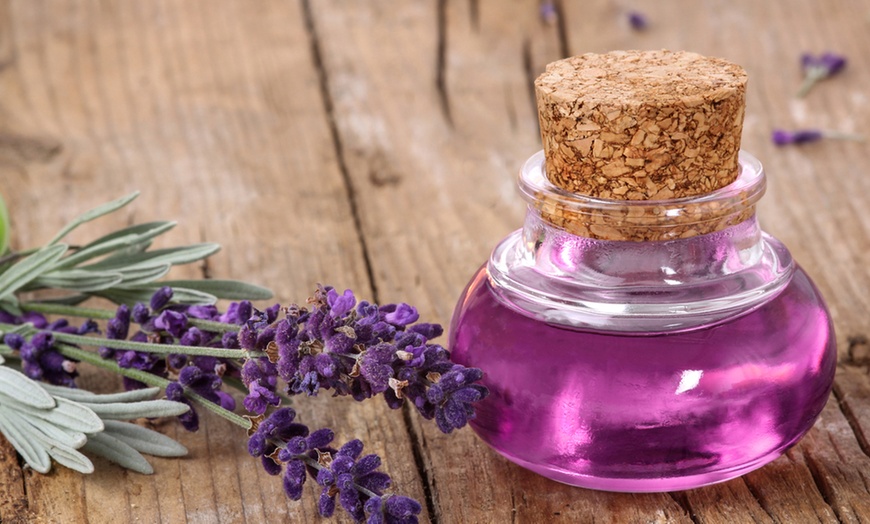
647,412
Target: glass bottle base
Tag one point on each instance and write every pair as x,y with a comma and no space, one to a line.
651,411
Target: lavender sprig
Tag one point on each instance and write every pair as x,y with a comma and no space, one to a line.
284,445
817,68
781,137
336,343
174,339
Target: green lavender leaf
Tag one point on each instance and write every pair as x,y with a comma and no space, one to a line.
121,239
144,440
77,280
118,452
18,434
65,436
158,257
93,214
133,294
144,408
228,289
24,390
59,450
29,268
68,457
135,276
67,414
9,303
83,395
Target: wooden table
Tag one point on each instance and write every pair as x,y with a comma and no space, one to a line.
373,145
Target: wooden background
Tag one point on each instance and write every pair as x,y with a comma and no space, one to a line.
373,145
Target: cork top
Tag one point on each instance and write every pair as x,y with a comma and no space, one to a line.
641,125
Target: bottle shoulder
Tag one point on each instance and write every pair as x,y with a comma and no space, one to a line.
568,280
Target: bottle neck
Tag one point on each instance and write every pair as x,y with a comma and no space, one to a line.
610,265
549,271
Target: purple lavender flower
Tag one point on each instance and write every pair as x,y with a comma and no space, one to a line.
206,384
259,398
637,20
277,428
453,394
173,322
40,359
161,298
816,68
117,328
189,420
343,476
392,509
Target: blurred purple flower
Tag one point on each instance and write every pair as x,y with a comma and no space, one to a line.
637,20
549,12
816,68
782,137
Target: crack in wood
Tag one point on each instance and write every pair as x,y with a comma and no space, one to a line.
509,108
329,108
562,29
474,14
419,462
441,62
529,71
683,501
752,491
821,486
852,420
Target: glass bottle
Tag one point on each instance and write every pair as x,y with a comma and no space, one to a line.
692,356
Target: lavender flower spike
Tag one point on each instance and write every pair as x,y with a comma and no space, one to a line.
818,68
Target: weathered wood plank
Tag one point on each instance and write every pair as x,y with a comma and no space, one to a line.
216,114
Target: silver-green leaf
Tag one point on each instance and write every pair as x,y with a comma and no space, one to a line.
227,289
118,452
144,440
144,408
78,280
29,268
116,241
24,390
158,257
70,415
19,434
82,395
93,214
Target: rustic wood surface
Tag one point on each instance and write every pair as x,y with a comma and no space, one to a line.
373,145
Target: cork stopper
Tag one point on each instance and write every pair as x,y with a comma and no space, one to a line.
641,125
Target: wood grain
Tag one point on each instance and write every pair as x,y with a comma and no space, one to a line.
374,145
